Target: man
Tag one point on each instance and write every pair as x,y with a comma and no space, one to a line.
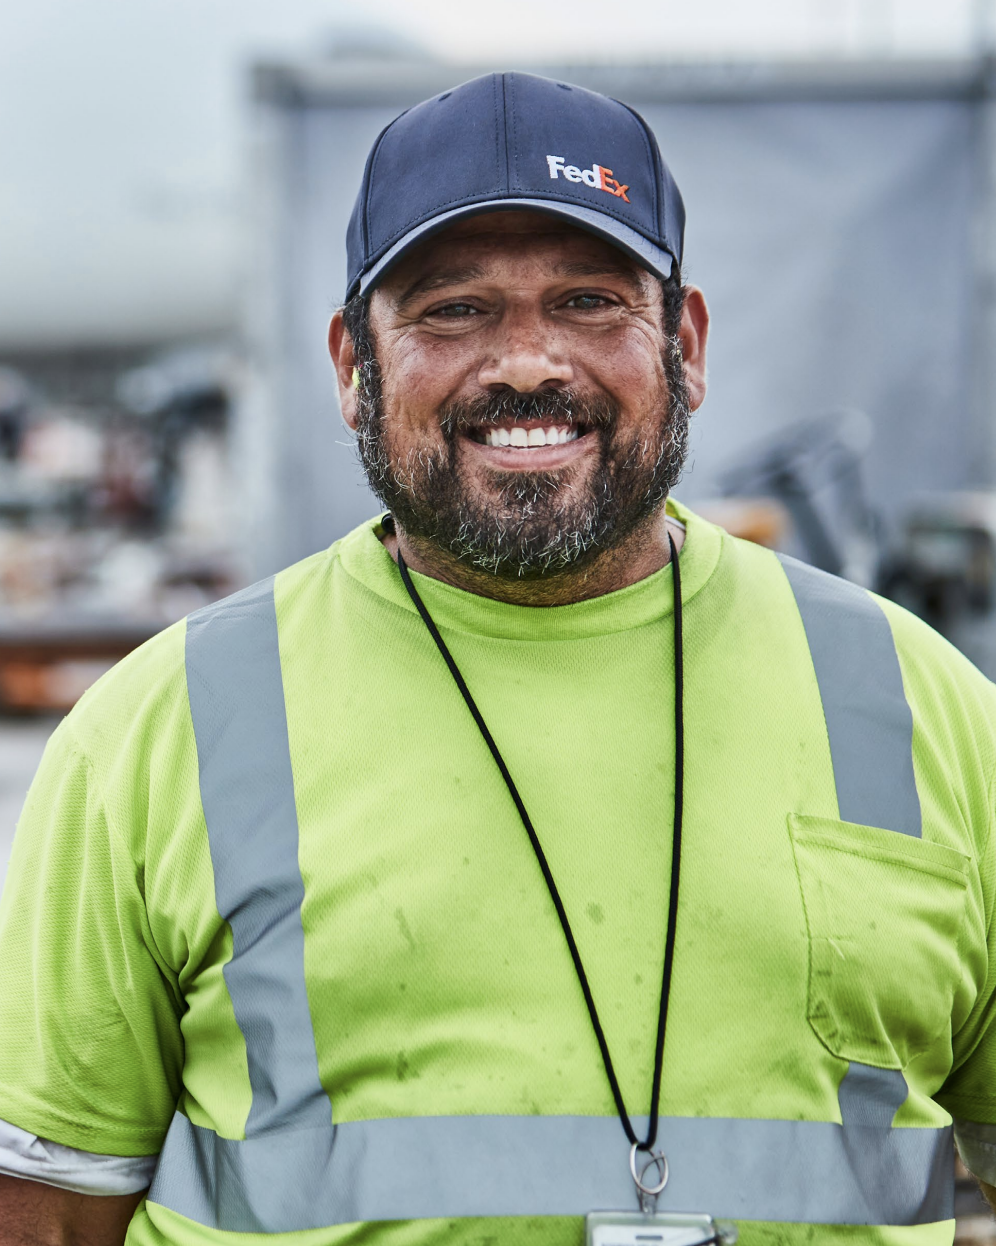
355,898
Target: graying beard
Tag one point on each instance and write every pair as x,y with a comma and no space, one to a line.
566,545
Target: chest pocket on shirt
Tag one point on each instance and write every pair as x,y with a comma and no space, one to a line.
883,912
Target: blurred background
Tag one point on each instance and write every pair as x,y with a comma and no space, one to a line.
175,179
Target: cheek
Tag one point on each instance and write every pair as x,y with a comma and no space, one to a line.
421,376
631,369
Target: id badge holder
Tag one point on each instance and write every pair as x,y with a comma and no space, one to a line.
649,1227
634,1228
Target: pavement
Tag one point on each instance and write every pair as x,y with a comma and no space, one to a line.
22,741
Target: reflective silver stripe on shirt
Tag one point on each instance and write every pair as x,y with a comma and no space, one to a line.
869,722
295,1171
452,1166
29,1157
247,791
871,1097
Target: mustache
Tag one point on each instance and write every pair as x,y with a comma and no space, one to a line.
559,406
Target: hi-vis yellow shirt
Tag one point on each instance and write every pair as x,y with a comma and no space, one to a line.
271,912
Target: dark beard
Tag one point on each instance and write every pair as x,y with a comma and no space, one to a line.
530,524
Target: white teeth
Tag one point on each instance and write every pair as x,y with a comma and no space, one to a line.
522,437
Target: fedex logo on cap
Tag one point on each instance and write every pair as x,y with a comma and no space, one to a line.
597,176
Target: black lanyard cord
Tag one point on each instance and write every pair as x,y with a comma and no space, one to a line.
558,904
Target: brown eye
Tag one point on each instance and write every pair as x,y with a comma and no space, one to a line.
587,302
454,311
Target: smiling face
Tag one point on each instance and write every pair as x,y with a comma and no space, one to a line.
521,406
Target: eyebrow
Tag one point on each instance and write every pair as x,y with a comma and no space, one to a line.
458,274
439,280
591,268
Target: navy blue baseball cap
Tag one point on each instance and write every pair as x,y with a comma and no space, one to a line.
508,141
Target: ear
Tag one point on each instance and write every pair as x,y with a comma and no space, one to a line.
693,333
344,362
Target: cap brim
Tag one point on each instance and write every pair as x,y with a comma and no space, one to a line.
641,249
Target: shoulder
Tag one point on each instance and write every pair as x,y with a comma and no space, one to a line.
937,678
936,675
137,717
874,652
860,642
148,687
953,703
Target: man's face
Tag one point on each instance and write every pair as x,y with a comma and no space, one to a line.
521,405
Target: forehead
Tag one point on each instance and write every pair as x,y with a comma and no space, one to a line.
494,245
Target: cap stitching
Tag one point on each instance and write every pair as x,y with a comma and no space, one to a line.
436,211
445,203
532,194
539,195
371,167
659,238
507,96
373,160
642,127
499,128
515,147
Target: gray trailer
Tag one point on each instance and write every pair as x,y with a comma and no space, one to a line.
840,221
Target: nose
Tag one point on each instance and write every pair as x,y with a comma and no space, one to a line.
526,359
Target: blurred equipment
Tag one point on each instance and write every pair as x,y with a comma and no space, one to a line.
49,670
178,395
115,512
944,570
813,469
942,566
765,521
15,398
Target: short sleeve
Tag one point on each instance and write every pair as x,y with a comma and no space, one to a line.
969,1093
90,1044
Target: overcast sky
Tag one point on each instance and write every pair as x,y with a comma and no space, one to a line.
122,124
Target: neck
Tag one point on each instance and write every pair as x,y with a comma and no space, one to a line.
643,552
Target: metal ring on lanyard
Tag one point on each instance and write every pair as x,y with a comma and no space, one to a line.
646,1193
655,1159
